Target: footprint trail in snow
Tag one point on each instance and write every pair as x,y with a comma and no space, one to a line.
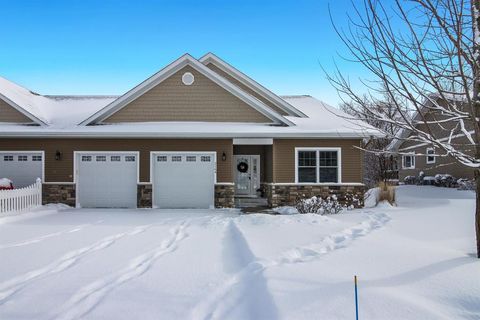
88,297
49,235
12,286
215,306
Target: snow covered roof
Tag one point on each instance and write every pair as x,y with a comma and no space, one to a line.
65,116
323,122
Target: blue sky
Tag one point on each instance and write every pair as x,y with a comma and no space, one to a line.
107,47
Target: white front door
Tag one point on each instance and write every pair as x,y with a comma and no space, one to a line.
247,174
183,179
106,179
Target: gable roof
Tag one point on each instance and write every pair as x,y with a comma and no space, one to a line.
322,122
424,107
169,70
22,100
250,83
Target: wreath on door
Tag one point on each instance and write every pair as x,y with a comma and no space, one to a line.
242,167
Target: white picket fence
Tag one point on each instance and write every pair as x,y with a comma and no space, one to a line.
17,200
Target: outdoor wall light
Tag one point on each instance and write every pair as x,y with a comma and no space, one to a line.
58,155
224,156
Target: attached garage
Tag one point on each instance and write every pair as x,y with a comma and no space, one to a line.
106,179
22,167
183,179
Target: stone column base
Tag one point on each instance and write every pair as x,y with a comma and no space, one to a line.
224,195
144,195
59,193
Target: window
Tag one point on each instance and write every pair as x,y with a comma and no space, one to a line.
101,158
7,158
408,161
307,166
176,158
86,158
191,158
36,158
22,158
205,159
328,169
318,166
430,155
162,158
129,158
114,158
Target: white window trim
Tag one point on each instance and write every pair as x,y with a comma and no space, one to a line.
411,154
30,152
317,149
428,156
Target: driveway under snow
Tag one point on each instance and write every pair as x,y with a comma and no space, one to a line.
415,261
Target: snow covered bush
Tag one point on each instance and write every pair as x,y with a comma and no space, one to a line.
466,184
317,205
445,180
410,180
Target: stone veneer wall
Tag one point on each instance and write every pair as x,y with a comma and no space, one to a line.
144,195
65,193
286,195
59,193
224,195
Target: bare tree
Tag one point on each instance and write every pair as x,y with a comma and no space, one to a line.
424,55
378,166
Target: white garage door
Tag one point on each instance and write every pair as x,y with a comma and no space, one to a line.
183,180
23,168
106,180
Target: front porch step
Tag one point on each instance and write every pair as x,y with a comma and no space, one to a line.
250,202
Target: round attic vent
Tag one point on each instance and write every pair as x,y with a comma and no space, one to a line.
188,78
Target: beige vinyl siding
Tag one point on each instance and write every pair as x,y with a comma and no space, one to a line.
10,114
62,170
245,88
442,165
204,100
284,157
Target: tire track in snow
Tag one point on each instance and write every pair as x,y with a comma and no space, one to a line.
12,286
246,294
214,307
88,297
49,235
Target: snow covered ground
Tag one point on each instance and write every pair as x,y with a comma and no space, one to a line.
415,261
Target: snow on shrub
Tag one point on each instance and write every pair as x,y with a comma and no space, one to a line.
5,183
466,184
445,180
410,180
317,205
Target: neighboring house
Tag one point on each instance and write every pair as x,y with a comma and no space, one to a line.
198,133
415,157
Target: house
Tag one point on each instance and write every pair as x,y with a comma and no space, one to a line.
196,134
416,156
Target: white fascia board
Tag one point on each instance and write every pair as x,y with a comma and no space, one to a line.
166,72
180,135
23,111
252,84
253,141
